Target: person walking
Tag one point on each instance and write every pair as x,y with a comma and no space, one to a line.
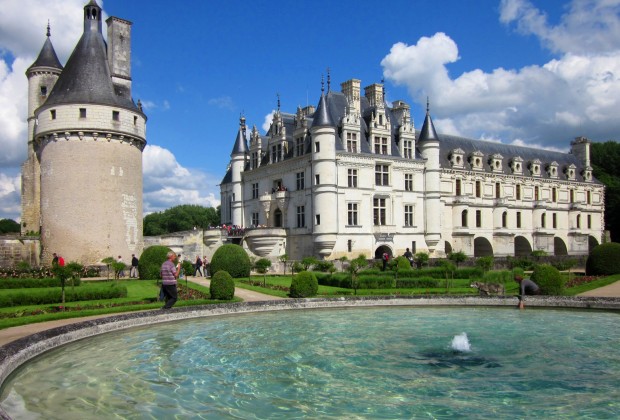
169,276
198,266
133,272
121,273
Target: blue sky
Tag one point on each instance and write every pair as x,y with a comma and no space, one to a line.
527,72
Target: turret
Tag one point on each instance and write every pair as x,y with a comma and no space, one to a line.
239,156
324,195
428,142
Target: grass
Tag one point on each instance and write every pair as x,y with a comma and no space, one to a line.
142,295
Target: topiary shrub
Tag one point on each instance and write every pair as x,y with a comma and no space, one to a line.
233,259
604,260
149,264
222,286
303,285
402,263
549,279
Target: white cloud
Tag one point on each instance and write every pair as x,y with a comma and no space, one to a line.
10,191
223,102
268,121
168,184
548,104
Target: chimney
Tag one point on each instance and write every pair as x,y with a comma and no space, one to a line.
374,94
351,90
119,53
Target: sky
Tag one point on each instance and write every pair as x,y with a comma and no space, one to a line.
528,72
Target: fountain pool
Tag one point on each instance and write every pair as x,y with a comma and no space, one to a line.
335,363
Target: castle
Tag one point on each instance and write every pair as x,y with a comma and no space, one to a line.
354,176
82,180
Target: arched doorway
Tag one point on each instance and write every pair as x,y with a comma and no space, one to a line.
559,247
522,247
380,250
592,242
448,248
277,218
482,247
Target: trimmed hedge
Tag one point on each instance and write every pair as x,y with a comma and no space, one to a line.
420,282
43,296
604,260
233,259
35,283
149,264
549,279
304,285
222,286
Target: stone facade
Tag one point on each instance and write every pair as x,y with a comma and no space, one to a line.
354,176
82,180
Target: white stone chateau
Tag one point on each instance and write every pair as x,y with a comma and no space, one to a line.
354,176
82,180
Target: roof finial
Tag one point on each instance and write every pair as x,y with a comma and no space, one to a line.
278,95
322,84
428,106
383,90
48,29
329,80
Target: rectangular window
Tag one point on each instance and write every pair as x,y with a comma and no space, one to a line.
82,112
318,219
254,160
554,220
299,146
53,114
382,175
317,179
589,221
379,211
518,192
135,120
408,182
276,153
352,214
536,193
578,221
317,147
255,219
478,218
518,219
381,145
43,90
116,116
457,188
589,197
301,180
409,215
543,220
478,189
301,216
255,190
554,194
571,195
352,178
352,142
407,149
498,190
349,245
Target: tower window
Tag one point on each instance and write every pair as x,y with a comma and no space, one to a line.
82,112
135,120
53,114
116,116
43,90
317,147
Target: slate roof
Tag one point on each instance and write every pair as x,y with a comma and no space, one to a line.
47,57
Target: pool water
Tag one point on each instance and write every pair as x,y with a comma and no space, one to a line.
337,363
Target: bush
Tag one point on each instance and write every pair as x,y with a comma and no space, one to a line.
604,260
222,286
420,282
376,282
149,264
549,279
304,285
34,283
233,259
402,263
324,266
54,295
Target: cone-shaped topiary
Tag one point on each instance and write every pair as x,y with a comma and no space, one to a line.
604,260
303,285
549,279
222,286
149,264
233,259
403,263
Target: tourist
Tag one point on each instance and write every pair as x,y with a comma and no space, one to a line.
55,260
205,264
198,266
526,287
169,275
61,261
121,272
409,256
385,258
133,272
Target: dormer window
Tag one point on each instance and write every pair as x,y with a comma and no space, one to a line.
43,90
552,169
457,158
587,174
475,160
535,167
570,171
495,161
516,165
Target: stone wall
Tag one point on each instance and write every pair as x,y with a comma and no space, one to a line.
14,249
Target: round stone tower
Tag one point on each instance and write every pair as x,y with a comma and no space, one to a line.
89,136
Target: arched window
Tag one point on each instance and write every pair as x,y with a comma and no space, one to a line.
505,219
464,218
543,220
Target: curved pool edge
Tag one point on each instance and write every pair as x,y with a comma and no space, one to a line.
18,352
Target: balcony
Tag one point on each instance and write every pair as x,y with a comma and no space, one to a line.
541,204
462,199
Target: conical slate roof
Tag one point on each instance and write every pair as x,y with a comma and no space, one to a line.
428,133
47,57
321,115
240,146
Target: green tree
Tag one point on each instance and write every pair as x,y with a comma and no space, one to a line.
457,257
308,262
605,158
262,266
9,226
283,259
183,217
343,260
354,267
421,258
108,261
485,263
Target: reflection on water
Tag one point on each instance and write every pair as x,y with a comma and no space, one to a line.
348,363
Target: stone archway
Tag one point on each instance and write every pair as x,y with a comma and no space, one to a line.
559,247
592,242
380,250
277,218
482,247
448,248
522,247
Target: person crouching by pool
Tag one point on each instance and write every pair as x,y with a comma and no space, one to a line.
526,287
169,275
